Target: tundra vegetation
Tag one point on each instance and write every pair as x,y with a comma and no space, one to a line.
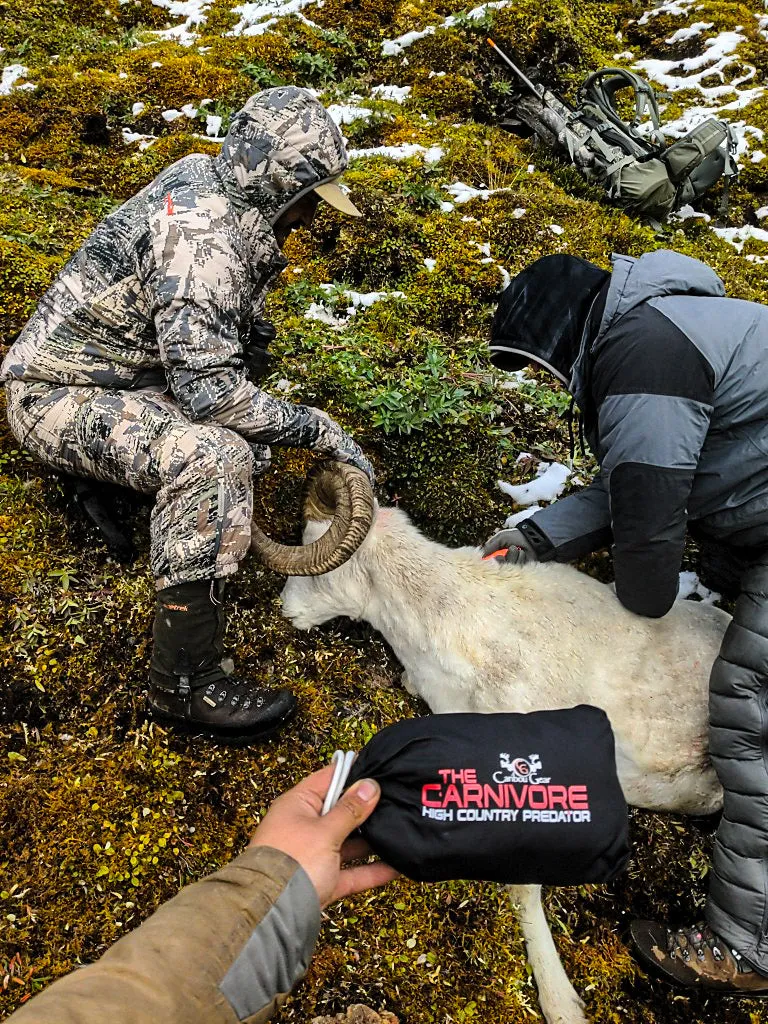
103,817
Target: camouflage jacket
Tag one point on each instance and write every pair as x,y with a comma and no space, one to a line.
165,289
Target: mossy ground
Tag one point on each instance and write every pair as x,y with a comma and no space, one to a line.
103,816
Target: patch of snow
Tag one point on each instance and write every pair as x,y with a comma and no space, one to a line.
189,110
346,113
192,11
137,108
10,77
673,8
738,236
757,156
624,55
431,154
691,585
762,212
687,212
144,141
171,115
518,212
213,124
447,208
394,47
556,229
547,485
257,17
719,54
463,193
395,93
430,264
339,318
688,33
531,168
506,277
518,517
512,381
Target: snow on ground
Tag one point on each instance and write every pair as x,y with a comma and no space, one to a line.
340,316
192,11
719,54
395,93
10,76
684,34
144,141
394,47
547,485
463,193
346,113
691,585
257,17
738,236
407,150
673,8
518,517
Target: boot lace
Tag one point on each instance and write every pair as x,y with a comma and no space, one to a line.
696,941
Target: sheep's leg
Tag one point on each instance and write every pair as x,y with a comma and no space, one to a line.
558,999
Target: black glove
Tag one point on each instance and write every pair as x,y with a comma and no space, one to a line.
519,549
256,339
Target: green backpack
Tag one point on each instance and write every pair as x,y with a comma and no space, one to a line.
629,158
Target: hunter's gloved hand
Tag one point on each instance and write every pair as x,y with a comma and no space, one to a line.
338,445
519,549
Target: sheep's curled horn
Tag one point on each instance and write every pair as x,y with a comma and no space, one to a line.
335,491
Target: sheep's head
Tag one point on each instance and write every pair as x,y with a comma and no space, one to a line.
341,496
311,600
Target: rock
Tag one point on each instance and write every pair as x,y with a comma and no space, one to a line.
359,1014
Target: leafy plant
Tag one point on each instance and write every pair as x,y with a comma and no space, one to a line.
316,66
261,75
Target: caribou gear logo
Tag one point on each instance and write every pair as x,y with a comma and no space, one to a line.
520,769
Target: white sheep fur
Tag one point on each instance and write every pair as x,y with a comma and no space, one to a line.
475,635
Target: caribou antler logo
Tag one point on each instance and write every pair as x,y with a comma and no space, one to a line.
519,769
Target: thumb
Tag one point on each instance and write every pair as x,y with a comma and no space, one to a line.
352,809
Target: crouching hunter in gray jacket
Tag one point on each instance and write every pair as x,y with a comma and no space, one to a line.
141,367
671,378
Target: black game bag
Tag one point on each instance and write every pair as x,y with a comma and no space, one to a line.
505,798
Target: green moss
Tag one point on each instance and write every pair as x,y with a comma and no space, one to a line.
103,816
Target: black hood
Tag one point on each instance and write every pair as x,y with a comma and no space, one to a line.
542,314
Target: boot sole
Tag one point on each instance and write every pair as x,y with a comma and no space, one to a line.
240,739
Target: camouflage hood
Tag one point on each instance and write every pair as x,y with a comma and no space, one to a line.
281,145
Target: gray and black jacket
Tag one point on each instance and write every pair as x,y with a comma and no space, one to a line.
672,377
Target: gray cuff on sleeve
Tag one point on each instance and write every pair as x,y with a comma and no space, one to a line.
277,952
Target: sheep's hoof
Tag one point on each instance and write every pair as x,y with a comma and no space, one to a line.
407,686
568,1009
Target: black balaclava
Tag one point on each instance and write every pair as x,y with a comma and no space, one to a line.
542,314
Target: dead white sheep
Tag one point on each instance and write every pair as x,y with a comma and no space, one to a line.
476,635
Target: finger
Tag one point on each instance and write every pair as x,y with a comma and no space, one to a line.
353,808
355,849
366,876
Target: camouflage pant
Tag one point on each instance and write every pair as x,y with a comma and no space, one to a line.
201,473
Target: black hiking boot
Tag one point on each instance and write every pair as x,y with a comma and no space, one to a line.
697,958
188,686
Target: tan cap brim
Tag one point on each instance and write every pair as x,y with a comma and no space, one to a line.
332,194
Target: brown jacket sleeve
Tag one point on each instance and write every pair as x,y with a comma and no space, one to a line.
228,948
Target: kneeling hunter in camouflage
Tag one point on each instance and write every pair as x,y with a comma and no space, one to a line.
139,368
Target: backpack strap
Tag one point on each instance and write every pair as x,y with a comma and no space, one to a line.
598,94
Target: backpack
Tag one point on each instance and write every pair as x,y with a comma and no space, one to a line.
629,158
